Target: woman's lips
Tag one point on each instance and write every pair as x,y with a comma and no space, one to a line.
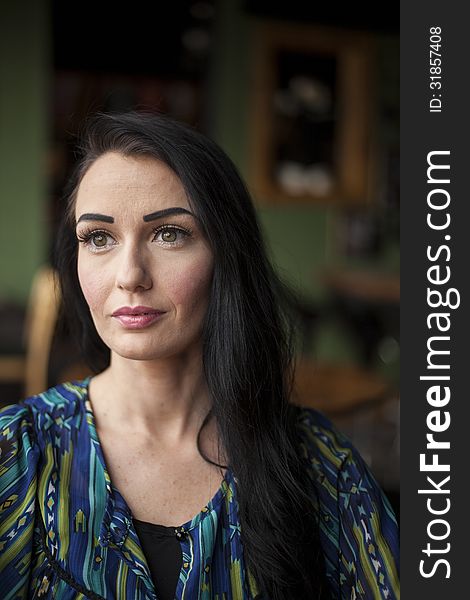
137,317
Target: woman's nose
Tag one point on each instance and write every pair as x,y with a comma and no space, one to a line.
133,273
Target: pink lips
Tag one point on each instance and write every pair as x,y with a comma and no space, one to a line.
136,317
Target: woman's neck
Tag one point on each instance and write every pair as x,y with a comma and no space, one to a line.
167,399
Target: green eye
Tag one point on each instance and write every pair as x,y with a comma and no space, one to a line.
169,235
99,240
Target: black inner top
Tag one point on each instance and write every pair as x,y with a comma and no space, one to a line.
164,557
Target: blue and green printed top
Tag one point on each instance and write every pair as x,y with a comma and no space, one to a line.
66,532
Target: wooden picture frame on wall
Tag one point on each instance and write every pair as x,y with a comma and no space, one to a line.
311,129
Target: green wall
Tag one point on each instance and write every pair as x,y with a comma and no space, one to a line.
24,64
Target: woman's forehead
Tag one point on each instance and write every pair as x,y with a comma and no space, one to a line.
117,182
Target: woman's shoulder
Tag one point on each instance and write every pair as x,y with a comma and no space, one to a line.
343,480
357,525
29,426
322,443
23,421
59,398
29,430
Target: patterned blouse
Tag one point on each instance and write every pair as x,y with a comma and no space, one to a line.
66,532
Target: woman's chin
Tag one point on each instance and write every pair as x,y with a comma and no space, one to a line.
153,353
140,354
151,349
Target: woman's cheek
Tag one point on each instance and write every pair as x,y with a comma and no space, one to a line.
92,286
190,286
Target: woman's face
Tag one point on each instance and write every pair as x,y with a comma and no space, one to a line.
144,267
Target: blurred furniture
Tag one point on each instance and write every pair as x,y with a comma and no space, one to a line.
361,399
369,286
30,369
367,304
311,115
337,389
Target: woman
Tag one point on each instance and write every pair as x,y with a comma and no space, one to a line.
165,277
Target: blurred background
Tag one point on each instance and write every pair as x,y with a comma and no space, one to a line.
304,97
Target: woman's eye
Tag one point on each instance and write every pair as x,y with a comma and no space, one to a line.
99,239
95,240
171,235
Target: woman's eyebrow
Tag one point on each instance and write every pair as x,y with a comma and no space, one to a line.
175,210
95,217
